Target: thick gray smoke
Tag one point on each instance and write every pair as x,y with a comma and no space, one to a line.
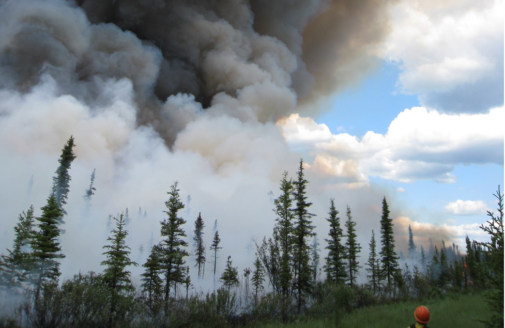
157,91
264,55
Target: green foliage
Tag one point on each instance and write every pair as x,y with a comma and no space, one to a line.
302,230
45,246
199,246
494,297
88,193
412,246
353,248
172,252
62,179
284,228
152,285
257,279
215,247
230,275
15,266
269,255
335,267
115,276
372,264
389,259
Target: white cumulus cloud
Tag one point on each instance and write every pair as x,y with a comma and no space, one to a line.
466,207
450,52
420,144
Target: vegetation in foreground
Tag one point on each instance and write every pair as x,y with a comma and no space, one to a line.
33,296
452,310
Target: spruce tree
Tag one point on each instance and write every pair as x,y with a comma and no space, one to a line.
471,262
412,246
444,269
434,269
45,246
172,252
495,251
353,248
423,258
152,284
230,275
335,267
88,193
257,279
314,260
61,182
285,232
372,264
215,248
302,230
389,259
15,265
199,247
115,276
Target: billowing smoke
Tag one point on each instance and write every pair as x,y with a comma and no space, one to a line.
157,91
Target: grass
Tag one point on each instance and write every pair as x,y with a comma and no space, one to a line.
455,310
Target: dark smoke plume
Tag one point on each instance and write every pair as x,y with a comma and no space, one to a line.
253,60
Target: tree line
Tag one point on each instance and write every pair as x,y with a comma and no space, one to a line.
287,259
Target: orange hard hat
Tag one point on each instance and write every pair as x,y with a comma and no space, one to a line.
422,314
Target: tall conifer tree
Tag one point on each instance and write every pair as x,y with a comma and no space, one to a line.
172,252
45,246
257,279
412,246
372,264
152,284
215,248
15,265
495,252
314,260
302,231
61,182
389,259
199,246
88,193
353,248
230,275
335,267
285,233
115,274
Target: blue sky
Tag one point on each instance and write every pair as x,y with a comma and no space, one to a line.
427,122
371,105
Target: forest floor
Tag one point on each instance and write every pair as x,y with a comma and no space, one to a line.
455,310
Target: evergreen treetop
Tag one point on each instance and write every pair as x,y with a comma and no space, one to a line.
372,264
215,247
302,231
61,182
353,247
284,229
45,246
172,246
117,253
257,279
199,246
389,259
412,246
335,267
15,265
230,275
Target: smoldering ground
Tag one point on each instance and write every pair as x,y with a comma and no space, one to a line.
161,91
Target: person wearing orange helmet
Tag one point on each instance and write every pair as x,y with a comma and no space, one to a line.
422,315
